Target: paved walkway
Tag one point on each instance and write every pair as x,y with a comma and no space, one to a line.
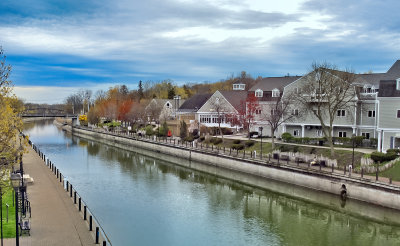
55,219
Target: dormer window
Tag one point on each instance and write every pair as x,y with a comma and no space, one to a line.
259,93
275,93
168,105
238,87
369,89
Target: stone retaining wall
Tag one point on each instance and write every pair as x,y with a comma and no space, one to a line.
360,189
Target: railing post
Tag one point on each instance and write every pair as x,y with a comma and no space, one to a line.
334,167
90,223
362,172
74,197
67,185
84,212
344,169
70,190
80,204
97,234
104,243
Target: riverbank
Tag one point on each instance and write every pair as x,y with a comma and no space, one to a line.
354,187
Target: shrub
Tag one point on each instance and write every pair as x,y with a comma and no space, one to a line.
287,137
313,151
396,151
237,146
217,141
202,138
284,148
236,141
226,131
249,143
296,149
306,140
373,141
358,140
189,139
183,129
195,132
252,133
382,157
149,130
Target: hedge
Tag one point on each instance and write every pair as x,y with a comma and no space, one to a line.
382,157
237,146
249,143
236,141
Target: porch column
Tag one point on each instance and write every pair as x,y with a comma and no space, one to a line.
354,130
379,141
302,131
283,128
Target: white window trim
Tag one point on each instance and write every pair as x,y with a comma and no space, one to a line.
295,112
319,133
364,134
296,132
276,93
373,114
397,113
398,84
345,133
258,93
341,113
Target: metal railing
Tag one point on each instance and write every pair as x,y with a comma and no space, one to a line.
250,158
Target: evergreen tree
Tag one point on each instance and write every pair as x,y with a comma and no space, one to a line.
171,91
183,130
140,91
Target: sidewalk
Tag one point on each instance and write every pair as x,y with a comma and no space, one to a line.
55,220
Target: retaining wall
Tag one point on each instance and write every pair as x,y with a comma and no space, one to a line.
359,189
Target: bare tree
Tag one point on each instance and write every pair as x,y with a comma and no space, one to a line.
220,107
153,110
326,93
278,112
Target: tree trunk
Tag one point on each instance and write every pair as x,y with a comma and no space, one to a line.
273,139
330,141
220,132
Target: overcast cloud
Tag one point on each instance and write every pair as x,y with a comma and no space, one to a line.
85,43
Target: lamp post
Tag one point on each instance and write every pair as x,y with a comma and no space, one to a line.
352,159
21,169
261,129
16,181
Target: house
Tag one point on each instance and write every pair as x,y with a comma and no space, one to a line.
187,111
219,106
371,113
163,109
268,91
388,124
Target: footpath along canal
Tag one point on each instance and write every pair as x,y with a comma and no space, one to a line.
146,200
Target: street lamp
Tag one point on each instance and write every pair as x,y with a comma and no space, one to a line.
21,170
261,129
16,182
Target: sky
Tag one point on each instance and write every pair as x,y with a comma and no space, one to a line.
58,47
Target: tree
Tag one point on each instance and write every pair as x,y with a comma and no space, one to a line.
183,129
220,107
246,113
277,112
140,91
10,120
324,92
153,110
171,91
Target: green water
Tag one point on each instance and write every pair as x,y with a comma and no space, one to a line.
147,200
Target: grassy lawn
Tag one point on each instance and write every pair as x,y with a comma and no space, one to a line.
8,228
393,172
343,157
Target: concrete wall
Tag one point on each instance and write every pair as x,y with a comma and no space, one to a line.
367,191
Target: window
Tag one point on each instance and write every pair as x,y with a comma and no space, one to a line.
168,104
398,84
258,111
341,113
297,90
296,133
295,112
369,89
365,135
371,113
398,113
273,111
259,93
275,93
342,134
319,133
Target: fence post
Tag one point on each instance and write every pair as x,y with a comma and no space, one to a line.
80,204
334,167
104,243
362,172
377,170
70,190
97,235
90,223
74,197
84,212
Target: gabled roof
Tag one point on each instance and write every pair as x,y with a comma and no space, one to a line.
235,98
370,78
387,88
395,69
162,102
270,83
194,103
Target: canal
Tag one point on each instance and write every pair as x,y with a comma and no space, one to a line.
145,200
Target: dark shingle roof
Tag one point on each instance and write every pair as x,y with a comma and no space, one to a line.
270,83
387,88
395,69
370,78
235,98
194,103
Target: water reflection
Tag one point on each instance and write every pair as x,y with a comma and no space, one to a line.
154,202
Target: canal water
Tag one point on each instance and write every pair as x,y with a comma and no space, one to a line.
145,200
